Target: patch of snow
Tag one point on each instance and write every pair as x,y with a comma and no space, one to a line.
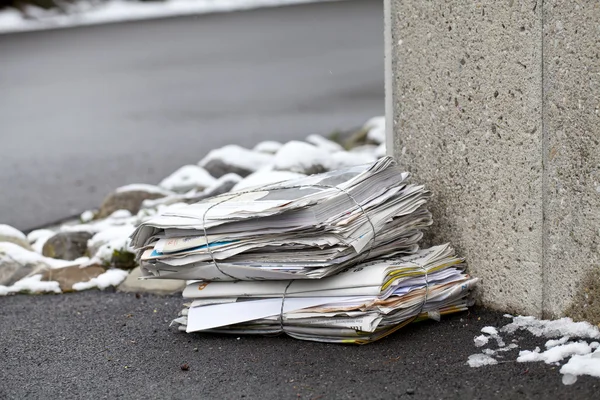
187,178
92,13
112,277
142,187
490,330
268,146
556,342
257,179
115,233
120,214
38,234
479,360
481,340
588,364
489,352
376,129
507,348
381,151
32,284
553,329
556,353
301,157
105,252
24,256
343,159
238,156
9,231
87,216
324,143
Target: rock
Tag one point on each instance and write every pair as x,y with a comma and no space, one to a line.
68,276
38,238
268,147
302,158
160,286
130,198
324,143
187,178
234,159
67,245
13,269
13,235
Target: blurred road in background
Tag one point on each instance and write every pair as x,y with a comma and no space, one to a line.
85,110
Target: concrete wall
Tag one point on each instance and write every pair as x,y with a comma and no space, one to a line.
495,108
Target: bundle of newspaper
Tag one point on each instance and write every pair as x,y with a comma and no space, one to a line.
306,228
359,305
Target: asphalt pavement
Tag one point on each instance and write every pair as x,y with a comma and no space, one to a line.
102,345
88,109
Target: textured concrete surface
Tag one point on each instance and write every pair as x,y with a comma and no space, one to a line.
85,110
467,113
572,153
95,345
496,109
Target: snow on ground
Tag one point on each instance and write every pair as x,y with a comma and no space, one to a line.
239,157
583,357
89,13
187,178
112,277
24,256
32,284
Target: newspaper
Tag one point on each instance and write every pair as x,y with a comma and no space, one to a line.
307,228
359,305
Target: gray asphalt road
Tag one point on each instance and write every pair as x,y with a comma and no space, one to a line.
111,345
85,110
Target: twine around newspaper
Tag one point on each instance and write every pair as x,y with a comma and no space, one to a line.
261,189
284,294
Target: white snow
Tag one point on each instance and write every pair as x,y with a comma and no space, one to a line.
381,151
143,187
112,277
324,143
479,360
24,256
268,146
87,216
264,178
556,353
490,330
342,159
32,284
481,340
588,364
38,238
555,328
301,157
556,342
116,234
92,13
187,178
238,156
376,127
9,231
105,252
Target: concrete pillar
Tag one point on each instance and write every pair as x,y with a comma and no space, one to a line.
496,109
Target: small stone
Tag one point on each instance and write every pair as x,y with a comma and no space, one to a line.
14,267
13,235
158,286
185,367
410,391
129,198
67,245
68,276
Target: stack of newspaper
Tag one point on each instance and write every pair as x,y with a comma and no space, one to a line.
306,228
332,257
359,305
